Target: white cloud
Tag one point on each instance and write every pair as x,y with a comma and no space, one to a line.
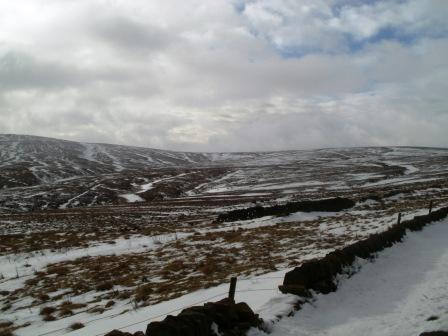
333,25
201,75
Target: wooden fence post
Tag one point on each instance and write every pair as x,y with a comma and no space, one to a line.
399,219
232,288
430,207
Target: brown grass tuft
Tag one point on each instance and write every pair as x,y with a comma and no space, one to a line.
76,326
47,310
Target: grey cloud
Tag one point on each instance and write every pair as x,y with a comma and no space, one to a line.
370,121
21,71
393,62
129,35
204,81
18,70
218,78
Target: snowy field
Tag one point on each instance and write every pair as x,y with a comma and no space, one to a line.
402,293
139,226
258,291
396,295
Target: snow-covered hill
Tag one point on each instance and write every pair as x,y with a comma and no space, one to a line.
42,173
30,160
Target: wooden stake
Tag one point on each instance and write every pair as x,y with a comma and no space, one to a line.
399,219
430,207
232,289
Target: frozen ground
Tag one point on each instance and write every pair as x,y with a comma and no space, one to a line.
257,291
396,295
42,173
393,296
139,226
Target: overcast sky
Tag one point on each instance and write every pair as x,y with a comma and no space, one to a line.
226,75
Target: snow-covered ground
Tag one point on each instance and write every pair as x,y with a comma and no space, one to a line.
43,173
256,291
272,220
74,206
393,296
16,269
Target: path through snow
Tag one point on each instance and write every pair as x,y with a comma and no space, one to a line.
393,296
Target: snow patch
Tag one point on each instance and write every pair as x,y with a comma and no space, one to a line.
132,198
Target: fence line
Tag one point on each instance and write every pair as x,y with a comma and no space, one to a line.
266,278
194,304
172,311
223,294
430,208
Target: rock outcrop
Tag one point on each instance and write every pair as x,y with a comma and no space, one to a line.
224,318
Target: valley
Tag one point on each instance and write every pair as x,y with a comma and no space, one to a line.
91,230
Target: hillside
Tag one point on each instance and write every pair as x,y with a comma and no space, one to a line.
148,231
42,173
31,160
